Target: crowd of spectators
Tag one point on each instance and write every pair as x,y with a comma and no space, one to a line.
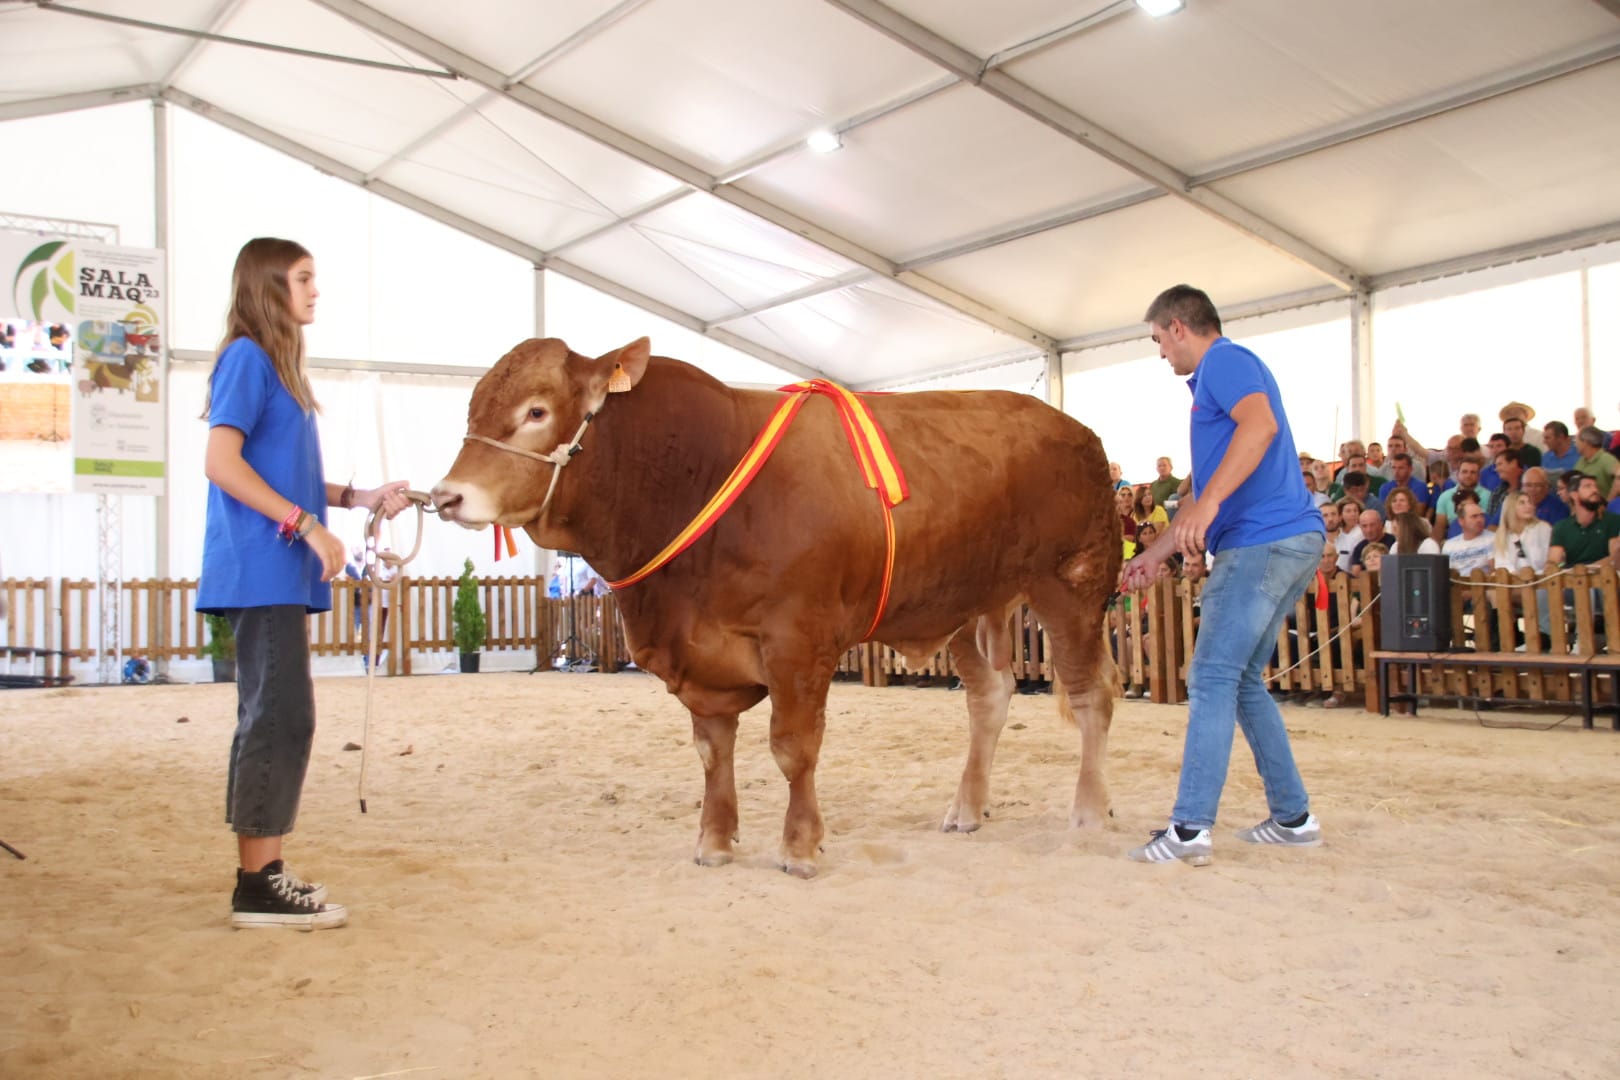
1525,498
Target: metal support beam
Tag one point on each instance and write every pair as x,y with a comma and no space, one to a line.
635,215
819,288
1512,253
1054,379
65,103
216,22
669,164
1065,121
1270,305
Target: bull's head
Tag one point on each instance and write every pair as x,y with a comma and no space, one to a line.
527,414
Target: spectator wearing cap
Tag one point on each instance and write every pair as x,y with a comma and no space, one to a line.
1525,413
1595,461
1514,429
1561,453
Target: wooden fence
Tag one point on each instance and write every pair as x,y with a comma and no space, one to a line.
1324,649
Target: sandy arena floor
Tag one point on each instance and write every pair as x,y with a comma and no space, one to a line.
522,900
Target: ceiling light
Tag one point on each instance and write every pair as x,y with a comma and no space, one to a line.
824,142
1157,8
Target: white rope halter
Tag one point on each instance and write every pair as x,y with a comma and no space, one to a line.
558,457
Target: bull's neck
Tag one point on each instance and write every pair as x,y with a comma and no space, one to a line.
651,459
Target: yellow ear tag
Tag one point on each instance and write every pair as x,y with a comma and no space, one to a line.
619,381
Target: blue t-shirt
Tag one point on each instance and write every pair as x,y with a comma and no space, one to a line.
1273,503
1559,464
245,564
1418,488
1552,509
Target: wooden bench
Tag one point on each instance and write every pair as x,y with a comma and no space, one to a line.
1585,669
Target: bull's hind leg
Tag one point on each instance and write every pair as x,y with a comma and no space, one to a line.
1074,622
989,688
716,739
798,689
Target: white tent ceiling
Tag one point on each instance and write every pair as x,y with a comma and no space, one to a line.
1016,178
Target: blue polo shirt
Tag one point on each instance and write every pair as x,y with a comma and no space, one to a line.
1552,509
245,564
1273,503
1559,464
1418,488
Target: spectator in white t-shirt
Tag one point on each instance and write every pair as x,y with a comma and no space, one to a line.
1522,540
1473,549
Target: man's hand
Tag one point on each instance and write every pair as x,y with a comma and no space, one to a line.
1190,526
1139,573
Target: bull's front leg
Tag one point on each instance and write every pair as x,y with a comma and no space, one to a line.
798,690
715,738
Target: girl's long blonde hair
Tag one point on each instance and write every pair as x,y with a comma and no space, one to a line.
261,309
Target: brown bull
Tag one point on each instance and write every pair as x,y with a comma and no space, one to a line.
1009,501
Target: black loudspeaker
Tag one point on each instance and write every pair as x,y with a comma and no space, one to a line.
1415,592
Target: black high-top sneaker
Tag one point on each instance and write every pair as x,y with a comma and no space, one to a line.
312,889
271,897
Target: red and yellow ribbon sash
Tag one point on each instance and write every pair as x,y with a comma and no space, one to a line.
879,468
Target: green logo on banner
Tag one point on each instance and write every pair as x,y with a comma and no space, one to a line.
48,270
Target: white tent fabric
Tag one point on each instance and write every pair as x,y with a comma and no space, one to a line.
1015,179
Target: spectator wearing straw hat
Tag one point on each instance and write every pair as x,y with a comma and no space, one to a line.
1523,412
1515,430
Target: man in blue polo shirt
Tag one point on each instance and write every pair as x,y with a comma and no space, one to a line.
1249,508
1404,478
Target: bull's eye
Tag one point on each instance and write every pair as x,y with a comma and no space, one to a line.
537,413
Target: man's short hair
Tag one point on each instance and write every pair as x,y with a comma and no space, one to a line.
1535,474
1462,496
1403,456
1373,444
1353,479
1557,427
1570,478
1469,445
1192,306
1511,455
1497,437
1474,416
1591,436
1475,458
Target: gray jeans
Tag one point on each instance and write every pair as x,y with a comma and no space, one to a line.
275,719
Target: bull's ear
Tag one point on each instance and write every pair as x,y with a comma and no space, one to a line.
629,364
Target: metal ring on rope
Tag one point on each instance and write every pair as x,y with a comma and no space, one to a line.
372,581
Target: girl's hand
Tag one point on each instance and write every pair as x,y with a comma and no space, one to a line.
389,498
328,548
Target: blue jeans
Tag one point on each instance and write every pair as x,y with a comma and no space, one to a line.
1250,591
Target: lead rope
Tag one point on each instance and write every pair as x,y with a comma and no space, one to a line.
372,582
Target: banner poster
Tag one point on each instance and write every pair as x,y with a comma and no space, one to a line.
83,372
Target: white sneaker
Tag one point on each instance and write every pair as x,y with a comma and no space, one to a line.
1270,831
1166,846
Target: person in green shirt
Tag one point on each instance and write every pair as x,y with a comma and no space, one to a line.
1595,461
1164,486
1587,536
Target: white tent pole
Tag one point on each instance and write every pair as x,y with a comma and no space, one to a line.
163,237
1363,413
1586,338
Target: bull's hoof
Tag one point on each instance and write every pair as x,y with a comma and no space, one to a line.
712,858
804,871
1090,818
963,821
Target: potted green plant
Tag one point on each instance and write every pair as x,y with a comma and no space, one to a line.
221,647
469,619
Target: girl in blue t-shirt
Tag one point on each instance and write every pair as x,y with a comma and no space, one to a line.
268,559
